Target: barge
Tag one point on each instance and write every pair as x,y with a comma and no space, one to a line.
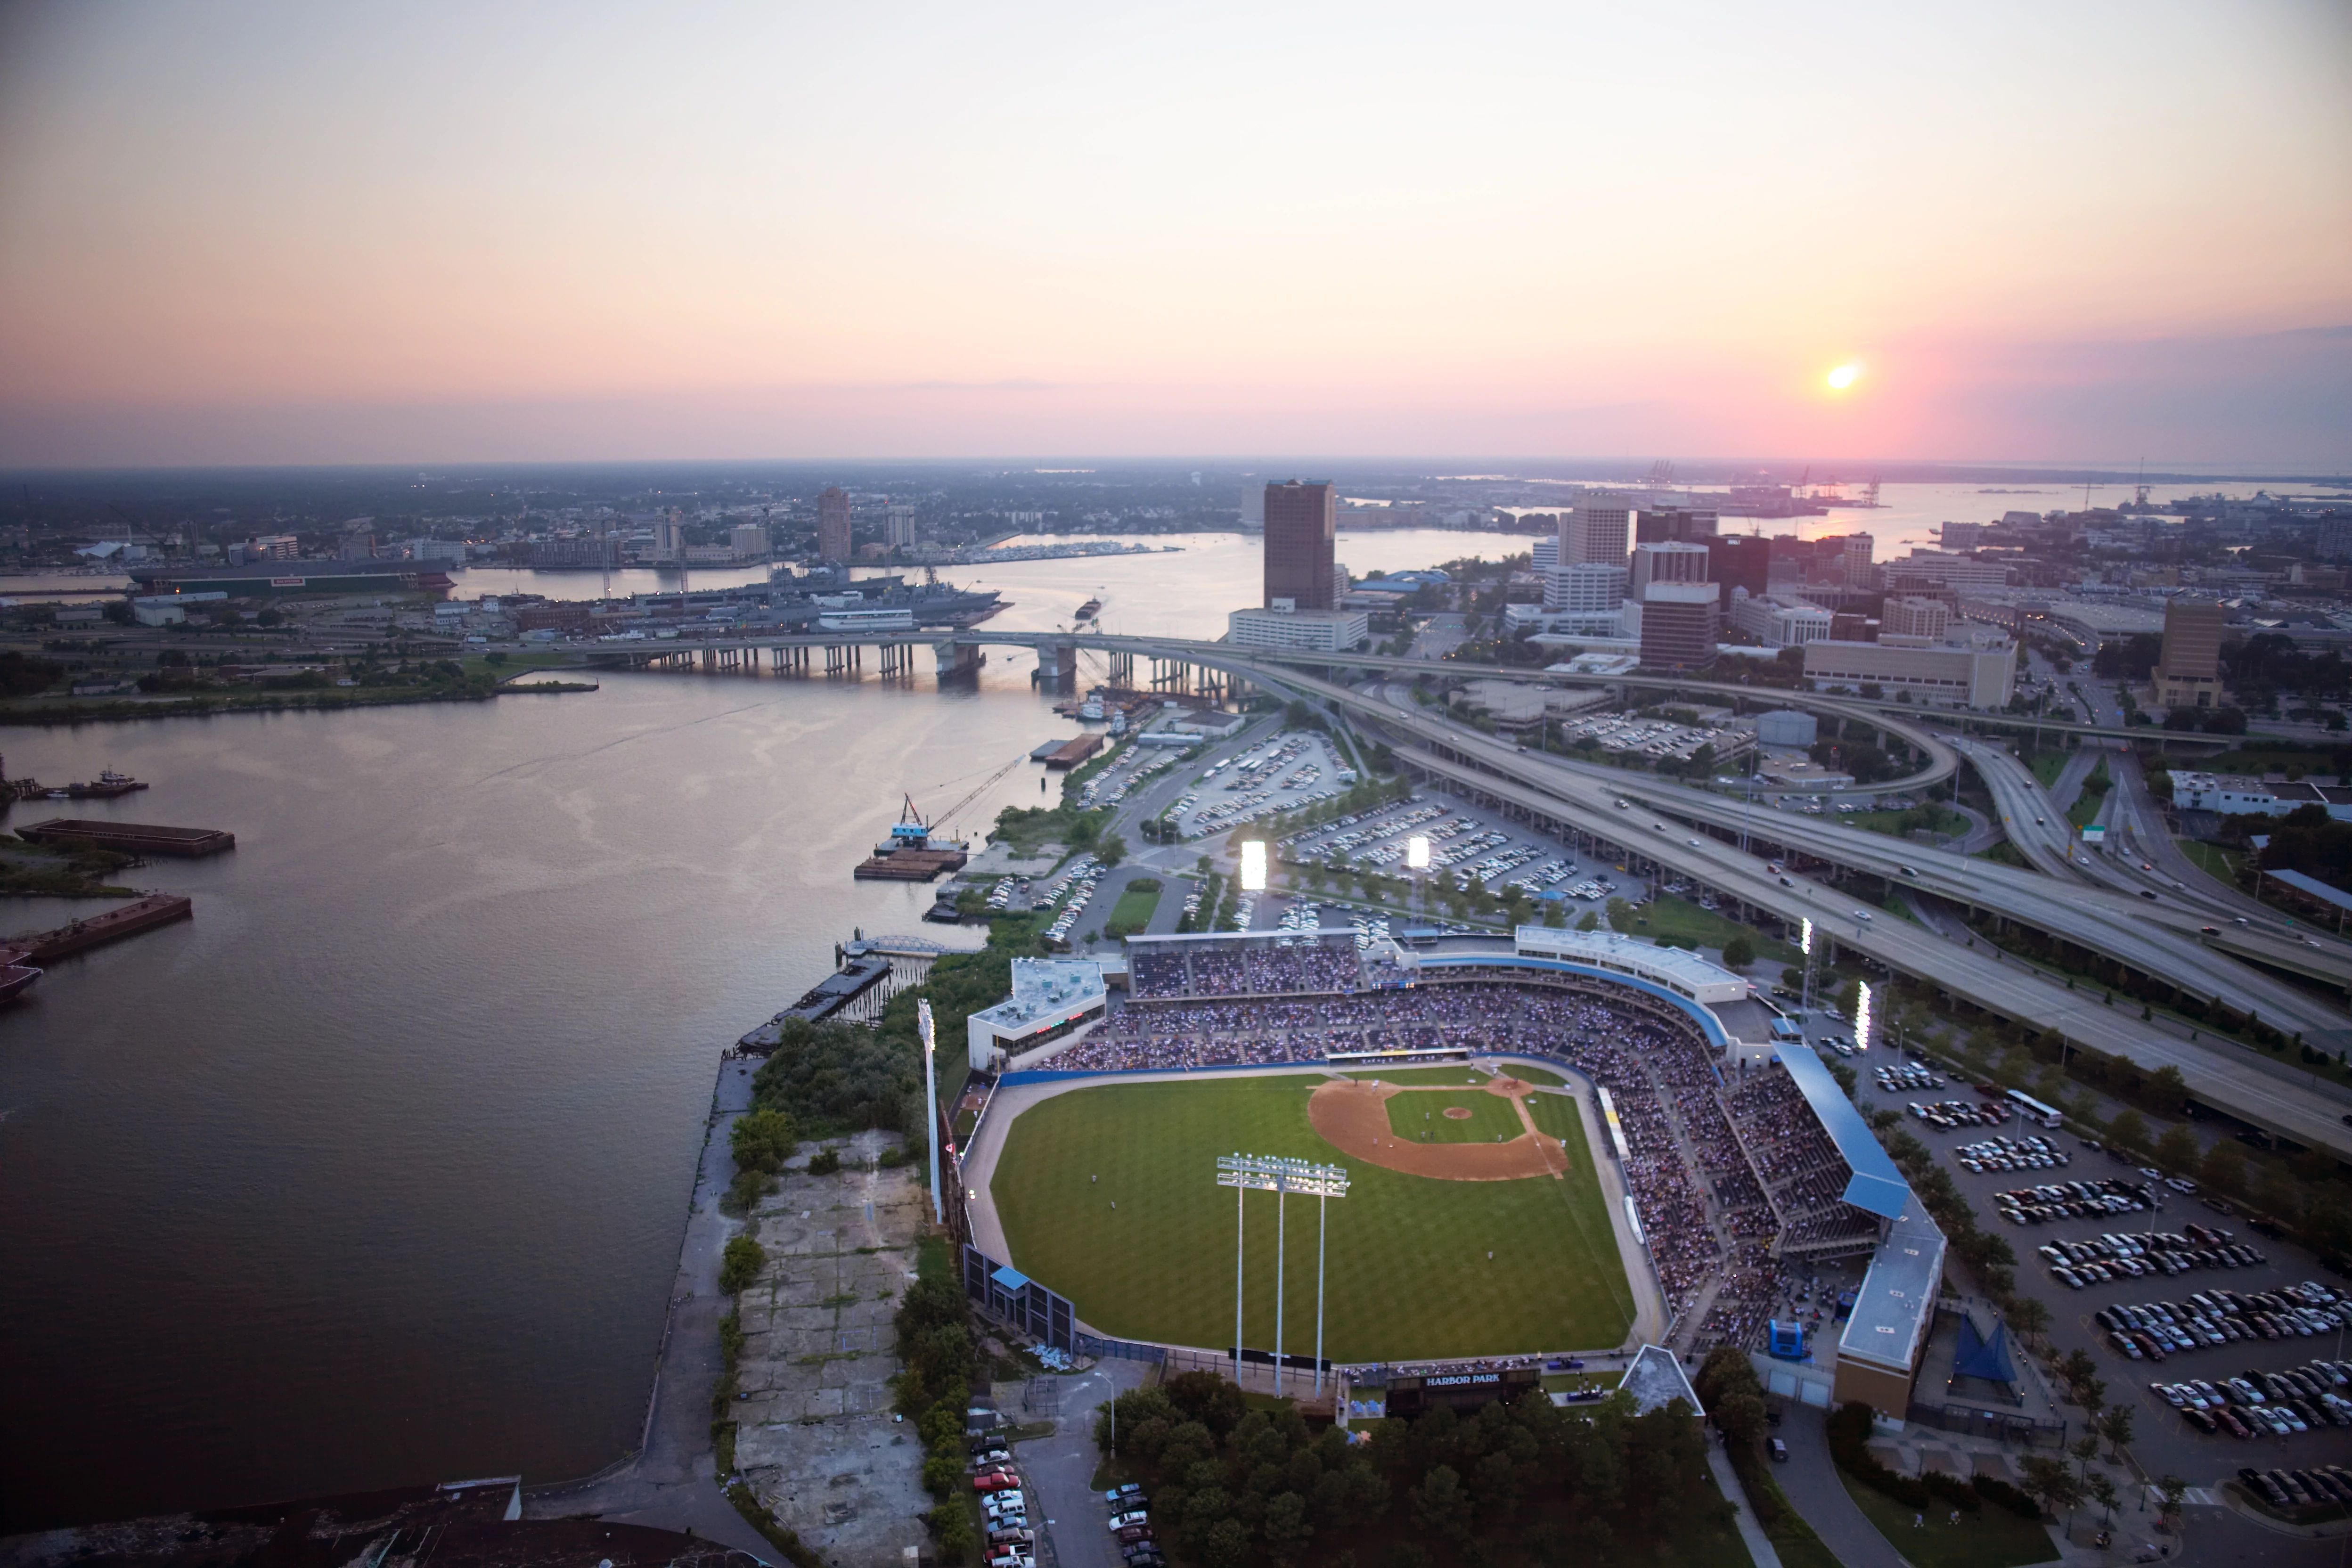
80,936
129,837
910,853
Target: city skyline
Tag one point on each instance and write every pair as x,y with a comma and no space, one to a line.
452,235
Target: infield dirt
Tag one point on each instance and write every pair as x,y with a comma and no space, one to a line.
1352,1116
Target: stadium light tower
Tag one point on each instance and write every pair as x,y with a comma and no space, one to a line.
1281,1176
931,1101
1253,865
1861,1019
1805,946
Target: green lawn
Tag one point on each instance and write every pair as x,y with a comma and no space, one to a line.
1668,916
2007,854
1992,1537
1537,1075
1900,824
2213,859
1421,1116
2047,766
2087,807
1134,910
1409,1270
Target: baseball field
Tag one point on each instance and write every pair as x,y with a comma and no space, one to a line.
1109,1194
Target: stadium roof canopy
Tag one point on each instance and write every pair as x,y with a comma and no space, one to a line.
1876,1185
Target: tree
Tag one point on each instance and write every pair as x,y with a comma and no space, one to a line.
2128,1129
1284,1526
1440,1505
2116,1426
1111,850
1739,952
2085,1447
762,1140
2167,1090
1225,1545
2224,1166
2177,1150
1591,922
2028,1316
740,1264
2049,1482
2101,1490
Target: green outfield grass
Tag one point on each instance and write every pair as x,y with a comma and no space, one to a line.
1421,1116
1409,1271
1558,1115
1537,1075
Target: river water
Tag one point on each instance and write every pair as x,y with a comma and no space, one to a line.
374,1172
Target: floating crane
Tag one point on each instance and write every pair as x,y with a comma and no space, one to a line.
948,816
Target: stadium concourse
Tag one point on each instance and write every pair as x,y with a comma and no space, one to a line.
1747,1167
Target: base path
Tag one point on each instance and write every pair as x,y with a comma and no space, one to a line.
1352,1116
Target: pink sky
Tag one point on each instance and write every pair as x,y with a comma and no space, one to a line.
471,232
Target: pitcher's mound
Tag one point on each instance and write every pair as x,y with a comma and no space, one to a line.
1457,1113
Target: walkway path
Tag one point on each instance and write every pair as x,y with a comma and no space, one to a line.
1810,1480
1727,1480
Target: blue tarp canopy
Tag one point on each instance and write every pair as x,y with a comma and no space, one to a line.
1876,1185
1979,1357
1010,1278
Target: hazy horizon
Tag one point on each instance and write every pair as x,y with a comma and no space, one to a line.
439,233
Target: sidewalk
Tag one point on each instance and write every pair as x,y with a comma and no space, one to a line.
1727,1480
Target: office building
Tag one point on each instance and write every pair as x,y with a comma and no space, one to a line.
1777,623
1597,531
1926,619
1666,563
1739,561
1968,677
750,541
899,528
1941,569
669,538
1587,589
1544,554
833,524
1674,525
1680,625
1846,559
1302,523
2189,672
1298,631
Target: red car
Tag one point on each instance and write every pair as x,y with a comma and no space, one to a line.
995,1481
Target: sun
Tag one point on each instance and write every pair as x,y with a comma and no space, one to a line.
1845,375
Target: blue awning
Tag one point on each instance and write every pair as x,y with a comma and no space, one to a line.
1876,1185
1010,1278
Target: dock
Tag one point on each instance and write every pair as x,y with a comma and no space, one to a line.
79,936
129,837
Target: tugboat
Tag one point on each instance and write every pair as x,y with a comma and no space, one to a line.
110,783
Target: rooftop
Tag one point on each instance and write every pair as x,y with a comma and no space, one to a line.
1043,985
1897,1303
1609,947
1657,1379
1875,1185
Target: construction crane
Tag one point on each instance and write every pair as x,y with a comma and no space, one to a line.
948,816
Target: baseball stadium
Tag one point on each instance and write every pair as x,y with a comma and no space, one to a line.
1577,1144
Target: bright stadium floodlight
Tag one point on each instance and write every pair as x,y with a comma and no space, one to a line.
1281,1176
1862,1017
1254,866
1416,852
1805,938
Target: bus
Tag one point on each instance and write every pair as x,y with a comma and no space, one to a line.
2035,1111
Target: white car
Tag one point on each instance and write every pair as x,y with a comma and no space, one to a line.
1129,1519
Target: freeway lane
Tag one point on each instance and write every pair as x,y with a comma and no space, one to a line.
2106,922
1980,976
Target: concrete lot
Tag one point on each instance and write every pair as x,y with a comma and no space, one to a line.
817,1439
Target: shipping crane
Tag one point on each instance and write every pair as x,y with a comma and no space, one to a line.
948,816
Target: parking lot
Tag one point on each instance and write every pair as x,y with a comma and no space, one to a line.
1467,848
1282,773
2034,1204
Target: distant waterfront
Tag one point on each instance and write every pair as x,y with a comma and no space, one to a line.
374,1172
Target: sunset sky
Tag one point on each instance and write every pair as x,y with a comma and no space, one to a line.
237,232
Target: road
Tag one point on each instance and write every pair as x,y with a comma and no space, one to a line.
1060,1468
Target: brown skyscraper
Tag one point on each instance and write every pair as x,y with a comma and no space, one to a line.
833,524
1302,523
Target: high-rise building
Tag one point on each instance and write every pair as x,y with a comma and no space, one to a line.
833,524
1302,524
1599,529
669,538
1914,617
1588,589
1666,563
750,541
1674,525
901,527
1741,560
1847,559
1680,626
1544,554
2189,672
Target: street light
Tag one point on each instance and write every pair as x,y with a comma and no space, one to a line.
1281,1176
931,1101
